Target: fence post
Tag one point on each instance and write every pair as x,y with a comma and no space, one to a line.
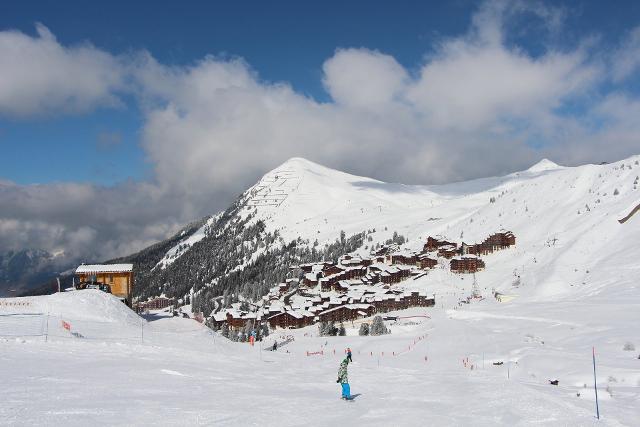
142,331
46,333
595,383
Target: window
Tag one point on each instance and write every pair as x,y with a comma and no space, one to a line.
111,278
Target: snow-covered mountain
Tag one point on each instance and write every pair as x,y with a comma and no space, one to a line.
24,270
569,285
566,221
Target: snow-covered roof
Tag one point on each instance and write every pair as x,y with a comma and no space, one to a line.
104,268
220,316
349,306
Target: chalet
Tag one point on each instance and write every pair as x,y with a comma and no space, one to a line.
448,251
330,270
328,283
501,240
349,261
424,262
466,264
119,277
403,258
291,319
157,303
346,313
310,279
283,288
233,319
385,302
434,244
217,319
417,299
354,272
306,268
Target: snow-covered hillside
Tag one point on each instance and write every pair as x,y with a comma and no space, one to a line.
569,240
569,284
483,364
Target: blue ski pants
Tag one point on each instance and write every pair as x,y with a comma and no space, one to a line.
346,390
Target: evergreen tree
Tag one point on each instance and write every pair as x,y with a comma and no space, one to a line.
248,328
332,330
364,329
378,327
225,330
342,331
322,329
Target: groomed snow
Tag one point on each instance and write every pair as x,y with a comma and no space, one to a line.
421,373
569,284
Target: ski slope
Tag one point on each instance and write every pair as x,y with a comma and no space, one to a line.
182,375
569,284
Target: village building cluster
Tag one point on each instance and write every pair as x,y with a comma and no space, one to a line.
357,287
157,303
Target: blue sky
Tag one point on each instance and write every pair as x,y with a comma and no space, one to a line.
121,122
287,41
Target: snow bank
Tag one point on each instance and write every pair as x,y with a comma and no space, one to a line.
88,304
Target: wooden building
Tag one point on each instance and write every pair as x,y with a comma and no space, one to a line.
291,320
448,251
434,244
119,277
347,312
157,303
501,240
404,259
466,264
330,270
424,262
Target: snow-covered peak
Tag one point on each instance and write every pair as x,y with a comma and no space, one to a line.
300,167
544,165
299,163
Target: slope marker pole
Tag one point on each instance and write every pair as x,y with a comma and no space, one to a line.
595,383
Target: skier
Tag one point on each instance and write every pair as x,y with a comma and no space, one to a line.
275,346
343,378
349,354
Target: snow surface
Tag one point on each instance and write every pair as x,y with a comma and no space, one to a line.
569,284
104,268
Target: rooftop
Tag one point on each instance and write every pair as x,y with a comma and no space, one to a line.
104,268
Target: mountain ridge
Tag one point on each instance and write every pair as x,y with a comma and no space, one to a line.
311,206
301,211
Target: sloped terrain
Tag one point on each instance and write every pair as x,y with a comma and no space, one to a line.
567,286
565,220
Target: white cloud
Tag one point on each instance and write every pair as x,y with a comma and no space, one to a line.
40,76
361,78
626,60
472,108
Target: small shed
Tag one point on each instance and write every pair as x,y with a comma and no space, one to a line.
118,276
